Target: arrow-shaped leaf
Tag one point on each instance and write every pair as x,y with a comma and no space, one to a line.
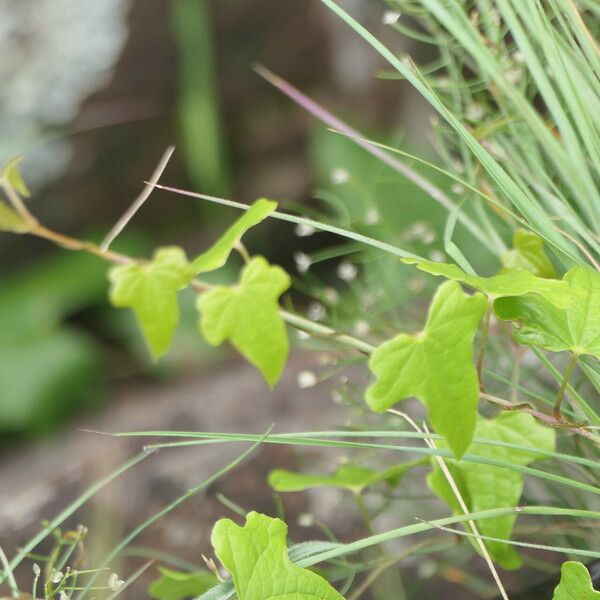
248,315
575,329
150,290
257,558
436,366
509,283
216,256
485,487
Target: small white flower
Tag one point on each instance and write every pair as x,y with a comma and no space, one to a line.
62,595
443,82
114,583
331,295
436,256
303,262
306,379
361,327
347,271
458,166
326,359
306,520
372,216
421,232
37,571
518,56
513,76
426,568
316,311
434,120
390,17
340,176
304,230
56,576
474,112
416,284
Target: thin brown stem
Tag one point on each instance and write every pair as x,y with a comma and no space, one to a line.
576,428
71,243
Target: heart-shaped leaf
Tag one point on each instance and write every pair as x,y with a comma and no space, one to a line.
575,583
436,366
485,487
257,558
248,316
509,283
150,290
216,256
575,329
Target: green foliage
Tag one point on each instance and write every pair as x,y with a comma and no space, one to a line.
353,478
45,377
508,283
247,315
10,174
150,290
528,253
484,487
198,112
11,220
178,585
216,256
436,366
575,583
48,368
576,328
256,556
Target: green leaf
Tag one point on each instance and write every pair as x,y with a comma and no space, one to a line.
11,220
256,555
436,366
576,329
216,256
150,290
11,174
528,253
575,583
176,585
248,315
509,283
485,487
353,478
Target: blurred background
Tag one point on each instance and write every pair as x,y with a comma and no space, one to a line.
92,94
